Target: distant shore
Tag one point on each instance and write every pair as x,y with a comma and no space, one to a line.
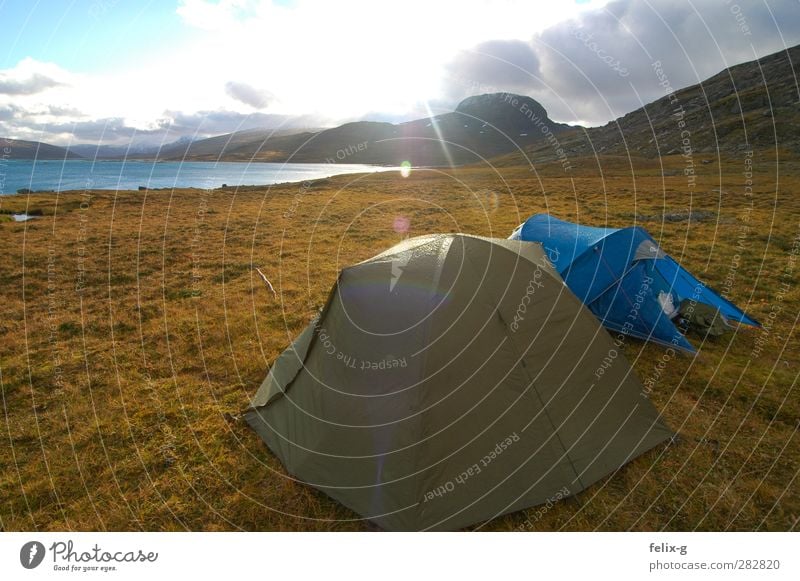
50,176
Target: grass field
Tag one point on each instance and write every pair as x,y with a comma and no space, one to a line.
134,330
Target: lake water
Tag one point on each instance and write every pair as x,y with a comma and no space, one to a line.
130,175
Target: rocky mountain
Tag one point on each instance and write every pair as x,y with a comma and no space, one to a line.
481,127
20,149
754,105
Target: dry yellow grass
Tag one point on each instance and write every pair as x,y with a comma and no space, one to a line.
133,330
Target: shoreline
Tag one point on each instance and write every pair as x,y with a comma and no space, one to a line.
215,161
357,169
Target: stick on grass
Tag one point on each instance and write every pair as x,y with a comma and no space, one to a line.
266,282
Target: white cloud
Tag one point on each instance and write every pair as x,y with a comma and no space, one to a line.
36,83
340,60
333,60
350,56
598,66
493,66
31,77
248,94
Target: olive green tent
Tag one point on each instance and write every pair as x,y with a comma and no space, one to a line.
449,380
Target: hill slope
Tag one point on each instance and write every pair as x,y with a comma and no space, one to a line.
753,105
481,127
19,149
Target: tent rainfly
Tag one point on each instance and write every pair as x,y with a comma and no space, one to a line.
450,380
629,282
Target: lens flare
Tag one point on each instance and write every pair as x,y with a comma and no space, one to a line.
401,225
405,169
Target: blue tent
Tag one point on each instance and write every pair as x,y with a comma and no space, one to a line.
625,279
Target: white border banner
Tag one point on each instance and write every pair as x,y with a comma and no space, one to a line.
387,556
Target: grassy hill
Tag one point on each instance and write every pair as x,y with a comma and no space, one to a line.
480,128
211,147
754,105
134,330
20,149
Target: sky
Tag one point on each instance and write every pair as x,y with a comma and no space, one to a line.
119,71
